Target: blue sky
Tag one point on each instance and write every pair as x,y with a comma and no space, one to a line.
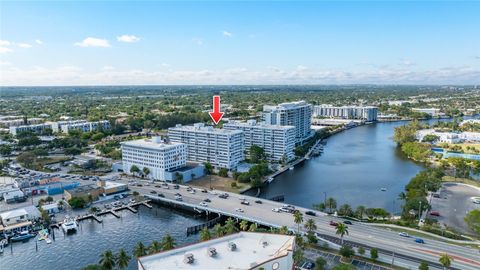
250,42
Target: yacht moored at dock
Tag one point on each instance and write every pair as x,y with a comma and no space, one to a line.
23,235
69,225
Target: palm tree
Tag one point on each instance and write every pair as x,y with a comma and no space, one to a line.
345,210
445,260
243,225
146,171
218,230
283,230
168,242
107,260
205,234
331,204
122,259
402,196
140,250
360,211
253,227
310,225
230,226
298,219
154,247
342,229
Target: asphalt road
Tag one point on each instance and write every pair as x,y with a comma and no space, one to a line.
464,257
454,203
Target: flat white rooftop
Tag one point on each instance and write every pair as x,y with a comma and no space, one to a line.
251,249
152,143
205,129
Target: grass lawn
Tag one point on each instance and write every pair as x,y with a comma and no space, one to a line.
461,180
40,162
474,148
218,182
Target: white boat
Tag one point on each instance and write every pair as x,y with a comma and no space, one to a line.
69,225
291,168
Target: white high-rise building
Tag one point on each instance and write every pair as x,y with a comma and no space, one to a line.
277,141
297,114
220,147
156,155
366,113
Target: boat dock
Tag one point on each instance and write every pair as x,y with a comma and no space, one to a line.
96,216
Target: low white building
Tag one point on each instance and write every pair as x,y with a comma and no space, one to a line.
244,250
431,111
51,208
155,154
39,128
57,126
445,137
470,136
20,215
277,141
86,126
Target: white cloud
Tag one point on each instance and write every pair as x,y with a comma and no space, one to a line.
38,41
198,41
93,42
128,38
24,45
5,50
68,75
405,62
227,34
108,68
5,63
5,43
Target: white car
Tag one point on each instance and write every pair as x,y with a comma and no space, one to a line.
191,191
203,204
404,234
239,210
276,210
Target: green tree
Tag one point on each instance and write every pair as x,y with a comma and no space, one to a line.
208,168
218,230
319,207
445,260
77,202
320,263
257,154
230,226
178,177
343,266
374,254
253,227
168,242
345,210
146,171
244,225
360,211
154,247
331,204
223,172
346,252
361,250
423,266
205,234
310,225
92,267
122,259
473,220
134,169
5,149
107,260
404,134
298,255
341,230
298,219
140,250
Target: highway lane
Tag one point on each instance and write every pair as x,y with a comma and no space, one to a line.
465,258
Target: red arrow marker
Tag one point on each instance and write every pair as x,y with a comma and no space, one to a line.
216,114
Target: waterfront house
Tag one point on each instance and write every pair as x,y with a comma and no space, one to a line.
19,215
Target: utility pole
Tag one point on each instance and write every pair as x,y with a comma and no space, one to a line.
393,258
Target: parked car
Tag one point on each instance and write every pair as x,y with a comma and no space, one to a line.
404,234
277,210
419,240
310,213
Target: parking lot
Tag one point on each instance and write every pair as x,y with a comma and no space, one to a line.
333,259
454,202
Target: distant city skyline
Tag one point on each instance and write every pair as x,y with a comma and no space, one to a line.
265,42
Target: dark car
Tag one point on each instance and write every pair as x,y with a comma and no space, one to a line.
258,201
158,186
419,240
176,186
204,191
207,200
310,213
161,195
245,202
348,222
153,192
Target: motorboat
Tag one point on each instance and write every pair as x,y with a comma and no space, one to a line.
383,189
69,225
21,236
291,168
